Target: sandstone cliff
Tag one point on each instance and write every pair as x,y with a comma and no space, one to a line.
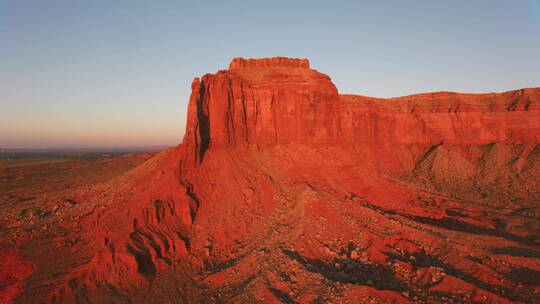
281,100
285,191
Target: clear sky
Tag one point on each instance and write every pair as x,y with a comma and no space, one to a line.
118,73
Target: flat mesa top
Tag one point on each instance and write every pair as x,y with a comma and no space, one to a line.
240,63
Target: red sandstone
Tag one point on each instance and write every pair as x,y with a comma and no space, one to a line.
283,190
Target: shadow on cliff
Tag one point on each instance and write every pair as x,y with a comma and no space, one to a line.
204,124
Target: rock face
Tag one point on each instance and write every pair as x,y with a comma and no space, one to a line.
283,190
281,100
267,101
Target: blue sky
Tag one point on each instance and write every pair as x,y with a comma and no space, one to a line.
118,73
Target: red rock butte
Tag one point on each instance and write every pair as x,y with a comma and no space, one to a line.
280,100
285,191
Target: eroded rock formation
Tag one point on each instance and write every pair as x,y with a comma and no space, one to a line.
281,100
283,190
